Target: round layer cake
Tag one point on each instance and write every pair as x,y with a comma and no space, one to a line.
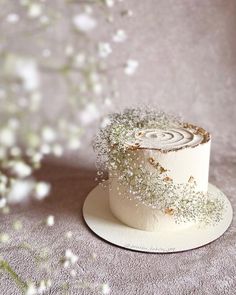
181,157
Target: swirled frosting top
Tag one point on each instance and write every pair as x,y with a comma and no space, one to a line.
168,140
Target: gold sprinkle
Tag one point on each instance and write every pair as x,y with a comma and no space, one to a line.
162,170
167,178
151,160
169,211
191,179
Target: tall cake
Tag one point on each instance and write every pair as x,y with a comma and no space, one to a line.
158,172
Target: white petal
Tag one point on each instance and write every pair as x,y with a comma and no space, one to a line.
84,22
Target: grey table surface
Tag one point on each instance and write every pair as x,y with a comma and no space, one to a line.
187,56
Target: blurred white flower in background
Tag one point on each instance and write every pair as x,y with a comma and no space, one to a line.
84,22
41,190
13,18
119,36
70,258
20,169
105,289
109,3
131,66
54,54
89,114
20,191
23,68
34,10
50,221
104,49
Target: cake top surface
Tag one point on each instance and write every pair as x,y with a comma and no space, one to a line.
167,140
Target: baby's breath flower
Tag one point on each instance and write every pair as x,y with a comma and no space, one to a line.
69,234
131,67
12,18
20,191
109,3
104,49
105,289
48,134
89,114
73,273
4,238
31,289
3,202
50,221
120,36
17,225
42,189
7,136
84,22
20,169
35,10
70,258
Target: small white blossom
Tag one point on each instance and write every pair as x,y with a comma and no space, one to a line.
74,143
3,202
88,9
17,225
4,238
79,60
107,102
69,50
109,3
105,122
84,22
97,88
48,134
31,289
15,151
20,191
73,273
7,137
57,150
104,49
120,36
42,189
50,221
128,13
25,69
94,255
45,149
35,10
69,234
44,19
20,169
12,18
70,258
105,289
131,67
42,287
89,114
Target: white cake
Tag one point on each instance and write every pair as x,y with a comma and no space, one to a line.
180,154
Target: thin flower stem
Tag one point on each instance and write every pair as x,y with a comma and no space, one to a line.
4,265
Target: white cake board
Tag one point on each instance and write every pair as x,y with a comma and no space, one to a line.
100,220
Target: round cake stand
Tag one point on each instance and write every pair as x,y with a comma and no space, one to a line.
100,220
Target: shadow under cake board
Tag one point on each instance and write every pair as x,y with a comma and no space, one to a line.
100,220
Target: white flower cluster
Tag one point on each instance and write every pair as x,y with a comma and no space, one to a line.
28,132
43,286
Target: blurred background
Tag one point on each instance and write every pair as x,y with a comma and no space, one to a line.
64,65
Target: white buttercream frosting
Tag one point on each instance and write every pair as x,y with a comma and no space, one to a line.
183,153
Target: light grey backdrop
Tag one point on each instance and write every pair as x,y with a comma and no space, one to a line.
187,55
